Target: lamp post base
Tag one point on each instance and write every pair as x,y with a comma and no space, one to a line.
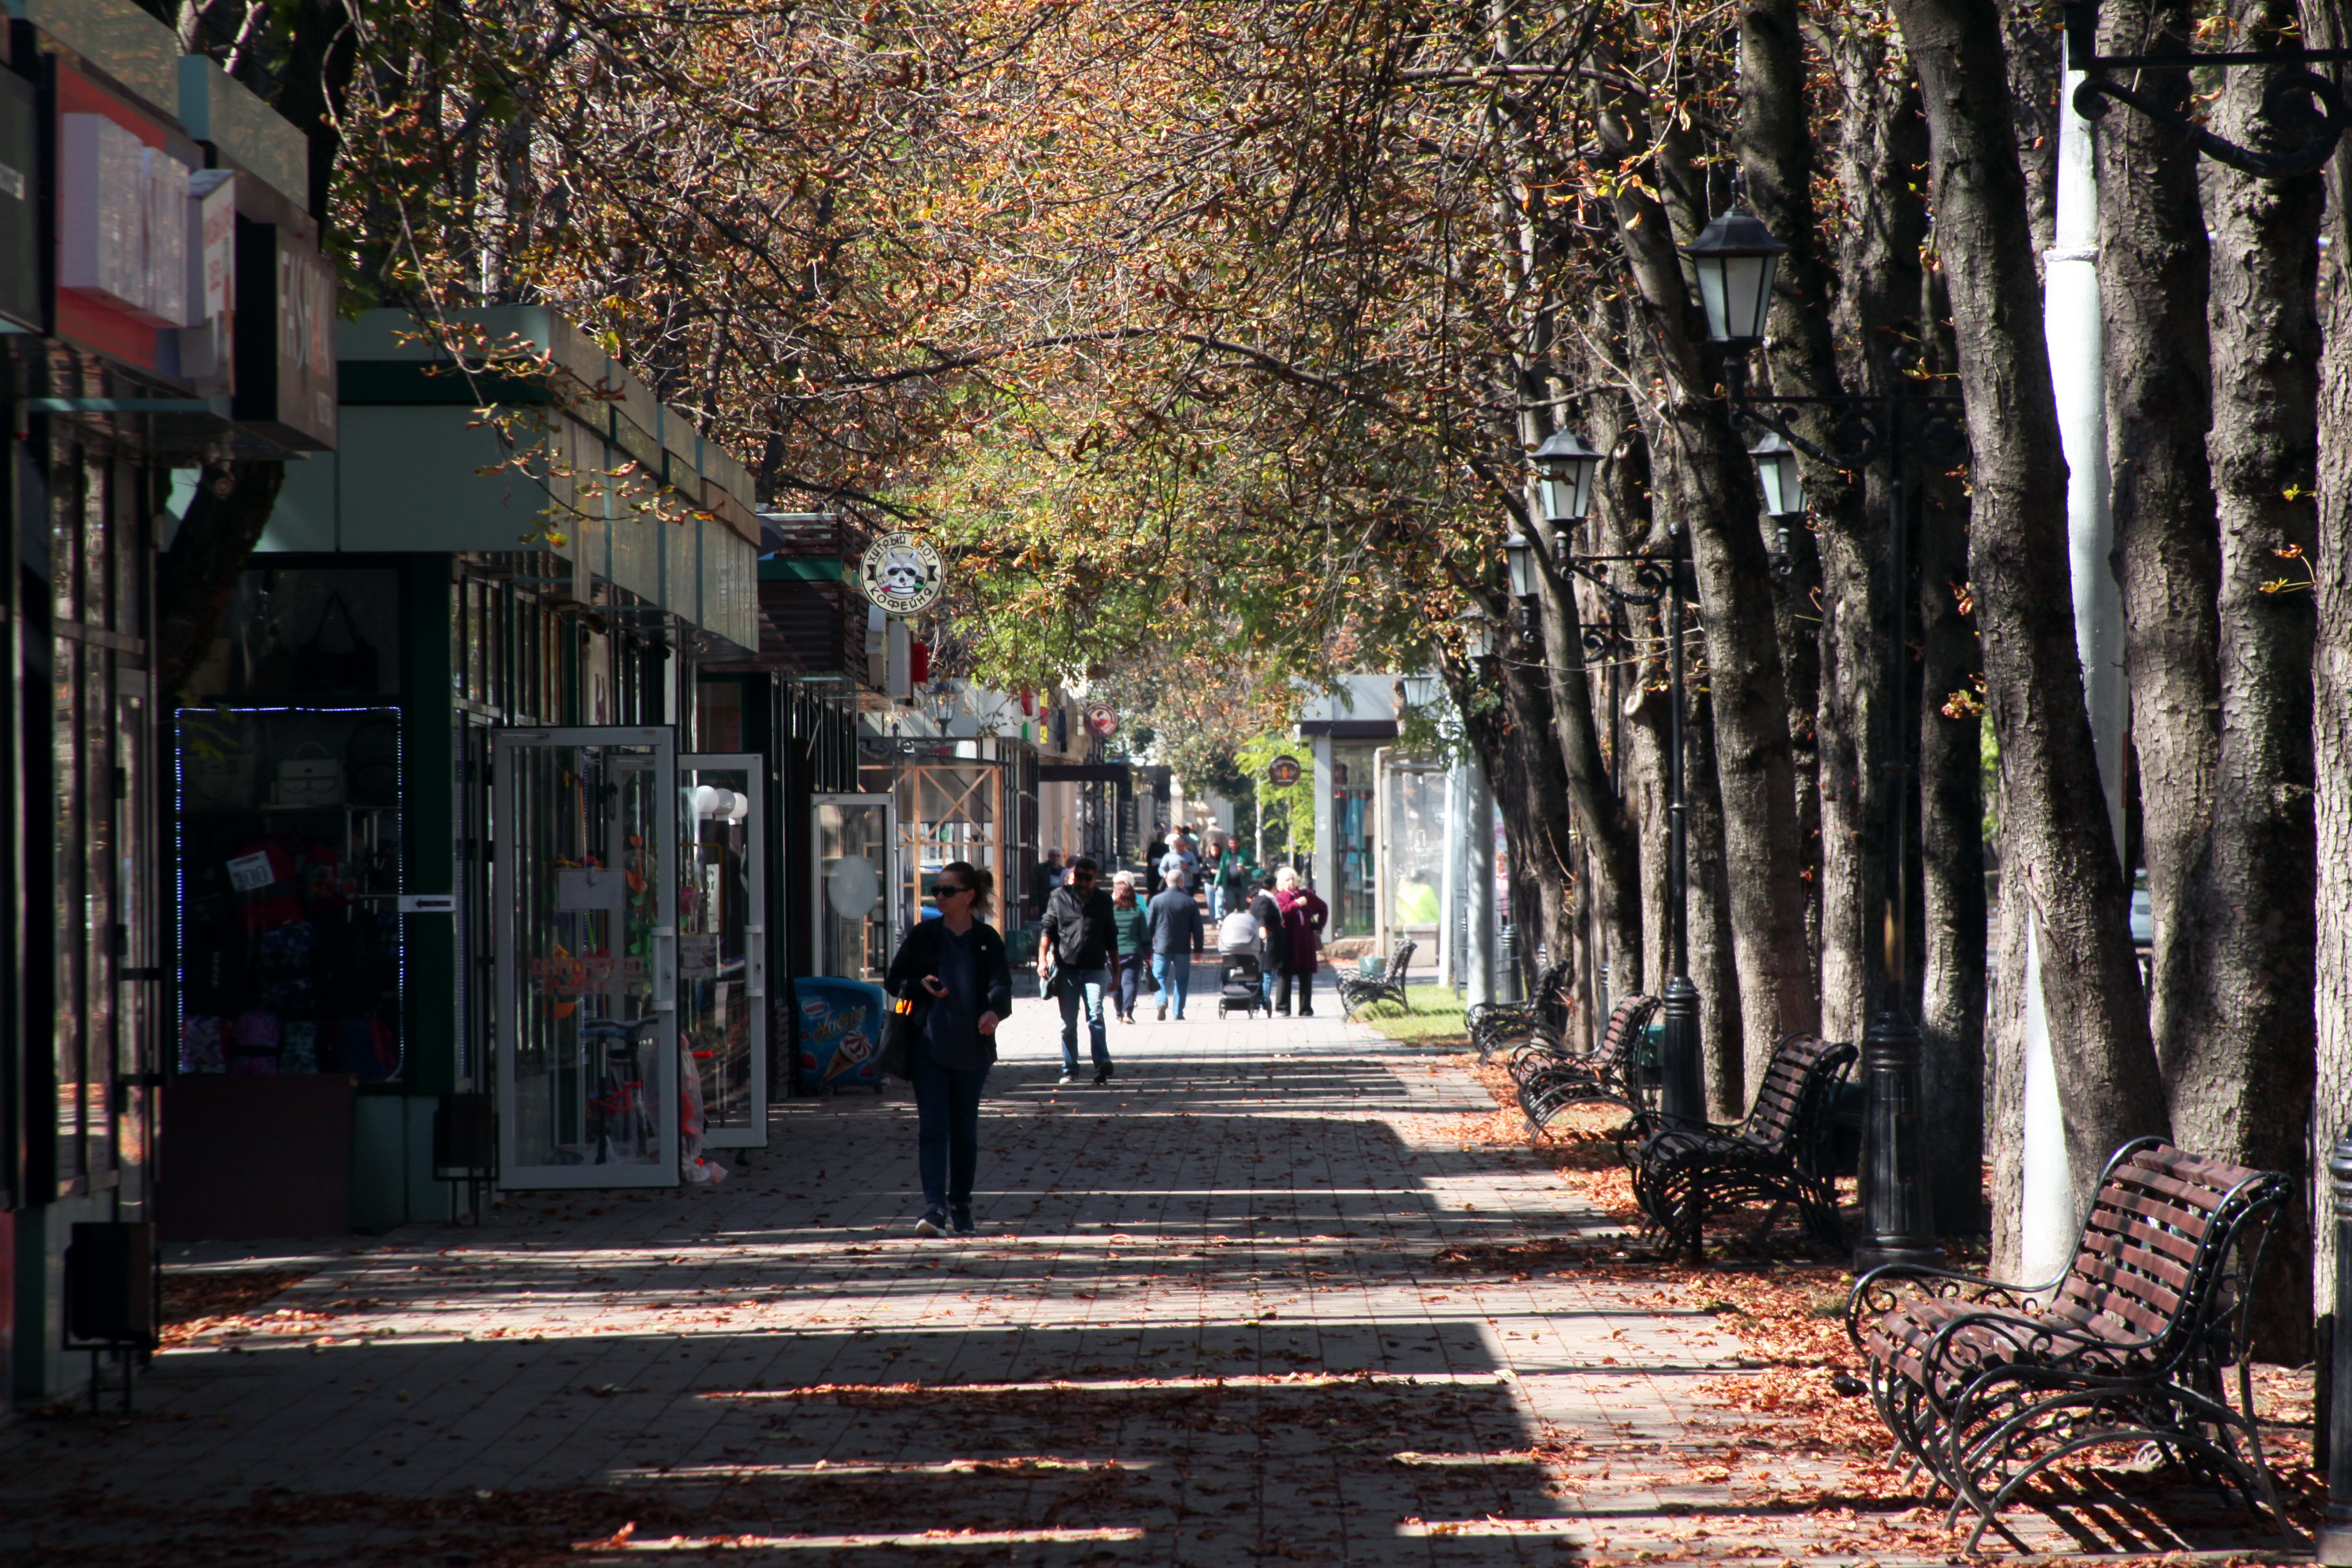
2331,1543
1898,1225
1682,1081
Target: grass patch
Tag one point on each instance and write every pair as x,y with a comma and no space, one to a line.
1431,1016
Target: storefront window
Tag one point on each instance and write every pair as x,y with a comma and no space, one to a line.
288,882
1414,853
1353,831
303,634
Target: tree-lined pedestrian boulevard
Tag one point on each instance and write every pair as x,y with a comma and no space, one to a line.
1257,1299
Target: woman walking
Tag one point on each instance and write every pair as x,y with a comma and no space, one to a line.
955,969
1303,916
1127,917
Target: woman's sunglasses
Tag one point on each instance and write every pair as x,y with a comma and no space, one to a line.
947,889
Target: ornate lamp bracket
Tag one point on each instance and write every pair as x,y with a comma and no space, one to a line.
2091,98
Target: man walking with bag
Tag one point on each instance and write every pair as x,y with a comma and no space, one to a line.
1174,921
1075,943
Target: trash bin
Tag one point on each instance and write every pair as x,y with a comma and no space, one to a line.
840,1026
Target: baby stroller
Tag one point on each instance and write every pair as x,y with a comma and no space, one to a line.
1241,983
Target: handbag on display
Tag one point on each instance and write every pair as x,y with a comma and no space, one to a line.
317,669
304,780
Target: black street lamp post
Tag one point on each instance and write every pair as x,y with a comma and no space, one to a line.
1566,465
1898,1223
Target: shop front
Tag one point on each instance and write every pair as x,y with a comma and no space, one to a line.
454,852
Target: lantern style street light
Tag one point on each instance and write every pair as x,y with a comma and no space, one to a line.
1477,634
1736,257
1778,476
1566,465
1519,554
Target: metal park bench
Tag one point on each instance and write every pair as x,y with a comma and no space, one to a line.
1544,1014
1551,1080
1986,1384
1783,1154
1363,990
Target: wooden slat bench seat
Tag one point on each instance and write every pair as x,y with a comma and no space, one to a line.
1985,1384
1550,1080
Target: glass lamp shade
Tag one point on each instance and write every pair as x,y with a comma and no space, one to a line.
1521,555
1567,464
1778,476
1735,256
1419,690
1478,636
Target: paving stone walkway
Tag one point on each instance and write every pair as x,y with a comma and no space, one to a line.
1210,1319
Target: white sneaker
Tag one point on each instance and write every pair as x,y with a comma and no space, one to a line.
1068,1077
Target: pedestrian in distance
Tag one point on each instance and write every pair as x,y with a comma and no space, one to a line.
953,968
1076,941
1043,880
1174,924
1127,964
1273,942
1157,848
1170,871
1303,916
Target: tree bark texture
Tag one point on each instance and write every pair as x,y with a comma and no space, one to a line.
2329,22
2240,1070
2152,298
1541,817
2056,835
2004,1078
1776,162
1882,145
1714,948
1709,483
196,581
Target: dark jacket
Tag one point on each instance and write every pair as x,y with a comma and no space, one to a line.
1303,918
1175,922
919,956
1269,915
1076,934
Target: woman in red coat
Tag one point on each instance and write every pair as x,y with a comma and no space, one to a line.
1303,916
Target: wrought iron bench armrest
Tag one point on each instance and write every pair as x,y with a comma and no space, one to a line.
1873,1295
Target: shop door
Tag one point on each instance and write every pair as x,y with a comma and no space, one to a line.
585,899
857,839
722,944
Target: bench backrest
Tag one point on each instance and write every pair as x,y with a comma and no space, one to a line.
1551,1001
1626,1022
2168,1251
1792,1113
1394,973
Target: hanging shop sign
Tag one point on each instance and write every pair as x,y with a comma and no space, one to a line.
124,217
20,228
1102,719
1284,771
902,573
285,337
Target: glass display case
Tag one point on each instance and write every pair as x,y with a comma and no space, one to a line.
288,887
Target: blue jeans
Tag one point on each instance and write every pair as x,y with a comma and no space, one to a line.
1173,971
1216,902
946,1135
1087,985
1128,982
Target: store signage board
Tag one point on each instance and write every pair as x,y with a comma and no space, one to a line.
285,337
1284,771
1103,719
20,228
122,222
902,573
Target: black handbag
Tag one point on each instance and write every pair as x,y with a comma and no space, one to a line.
902,1026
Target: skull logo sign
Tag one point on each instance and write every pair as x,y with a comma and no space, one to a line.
902,573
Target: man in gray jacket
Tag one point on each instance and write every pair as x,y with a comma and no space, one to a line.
1172,920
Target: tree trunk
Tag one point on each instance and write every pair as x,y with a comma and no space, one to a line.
1882,145
1704,467
2004,1092
2055,834
196,580
2330,24
1714,948
2152,290
2239,1070
1539,816
1951,845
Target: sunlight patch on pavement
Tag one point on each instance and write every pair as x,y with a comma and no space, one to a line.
1418,1529
1023,1465
1280,1380
1410,1457
847,1542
